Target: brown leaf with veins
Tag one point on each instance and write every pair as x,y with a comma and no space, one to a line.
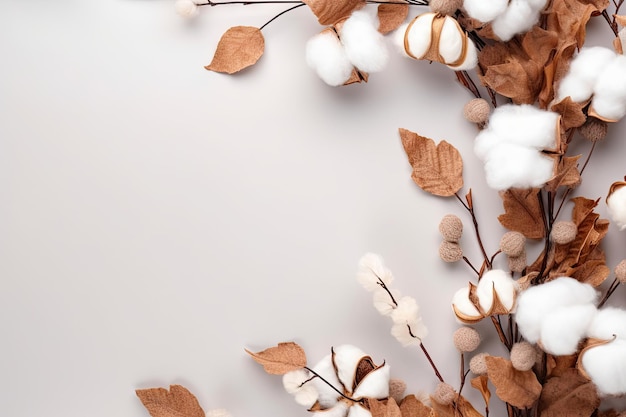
572,114
239,48
459,408
558,365
329,12
437,169
279,360
391,16
518,388
384,408
177,402
412,407
567,174
522,212
570,394
481,384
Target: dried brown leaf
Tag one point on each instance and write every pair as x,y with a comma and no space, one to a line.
384,408
391,16
329,12
481,384
518,388
558,365
620,19
177,402
279,360
570,395
239,48
567,174
412,407
459,408
437,169
522,212
571,113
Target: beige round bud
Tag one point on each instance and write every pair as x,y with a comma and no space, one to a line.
397,387
564,232
478,365
523,356
444,394
445,7
620,271
594,129
466,339
451,228
450,252
477,110
512,243
517,263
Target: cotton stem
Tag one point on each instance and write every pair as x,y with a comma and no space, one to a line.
331,385
430,361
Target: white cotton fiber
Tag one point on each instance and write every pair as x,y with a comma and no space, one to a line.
616,204
327,396
612,83
419,35
574,87
563,329
486,140
451,40
537,5
375,384
606,366
340,409
471,58
504,287
364,45
519,17
512,166
584,72
608,108
463,304
607,323
536,302
525,125
346,359
485,10
325,54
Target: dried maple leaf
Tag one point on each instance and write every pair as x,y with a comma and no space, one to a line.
279,360
177,402
437,169
570,395
391,16
412,407
387,408
239,48
329,12
567,174
571,113
522,212
481,384
518,388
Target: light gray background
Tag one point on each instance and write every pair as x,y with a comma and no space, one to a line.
157,219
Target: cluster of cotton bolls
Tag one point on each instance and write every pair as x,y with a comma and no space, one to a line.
511,146
507,18
616,203
597,73
357,43
496,293
408,327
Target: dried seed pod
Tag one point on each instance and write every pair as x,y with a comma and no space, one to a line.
512,243
517,263
444,394
523,356
594,130
564,232
397,387
451,228
620,271
450,251
477,110
445,7
478,365
466,339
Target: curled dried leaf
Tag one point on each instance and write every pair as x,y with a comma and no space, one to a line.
518,388
178,402
481,383
570,394
279,360
522,212
329,12
391,16
239,48
412,407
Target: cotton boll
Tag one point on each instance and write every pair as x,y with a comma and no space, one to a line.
584,72
537,5
563,329
327,396
471,58
616,205
406,311
357,410
363,43
513,166
485,141
606,366
451,40
186,8
519,17
340,409
611,82
419,35
346,358
325,54
609,322
374,385
502,283
485,11
575,87
464,307
307,396
608,108
525,125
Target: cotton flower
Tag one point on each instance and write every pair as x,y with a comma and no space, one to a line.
364,44
340,370
557,314
511,146
408,327
372,272
508,18
383,303
297,383
186,8
616,204
325,55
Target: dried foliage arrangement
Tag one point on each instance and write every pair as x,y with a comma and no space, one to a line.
545,89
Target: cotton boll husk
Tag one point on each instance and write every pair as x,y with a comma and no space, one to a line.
516,166
606,366
418,35
374,385
471,58
364,45
504,287
327,396
483,10
462,303
371,269
536,302
347,357
616,205
519,17
525,125
564,328
325,54
607,323
383,302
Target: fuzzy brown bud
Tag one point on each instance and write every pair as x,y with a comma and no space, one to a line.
477,110
620,271
445,7
594,129
397,387
444,394
523,356
478,364
512,243
450,251
466,339
517,263
451,228
564,232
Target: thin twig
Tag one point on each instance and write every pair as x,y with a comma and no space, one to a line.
430,361
331,385
472,213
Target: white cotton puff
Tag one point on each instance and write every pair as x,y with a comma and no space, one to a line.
537,5
418,37
407,311
292,381
450,40
307,396
357,410
462,303
616,205
383,302
471,58
512,166
371,269
486,140
340,409
364,45
504,286
402,335
347,357
609,322
534,303
327,396
606,366
325,55
609,108
483,10
584,72
564,328
186,8
374,385
519,17
525,125
609,99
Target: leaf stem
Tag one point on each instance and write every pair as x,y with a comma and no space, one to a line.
609,292
470,209
430,361
280,14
